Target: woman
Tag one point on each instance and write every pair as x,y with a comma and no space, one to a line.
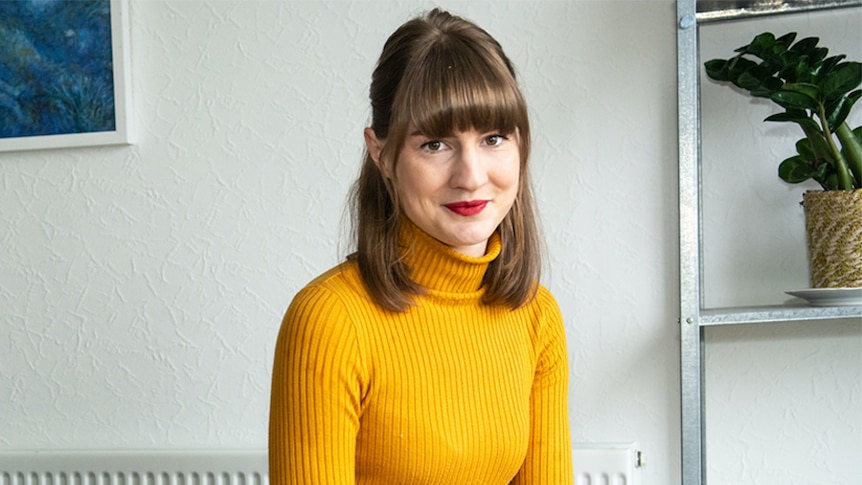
432,355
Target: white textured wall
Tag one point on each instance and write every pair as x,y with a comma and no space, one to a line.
142,286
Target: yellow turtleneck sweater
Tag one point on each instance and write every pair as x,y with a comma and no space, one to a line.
449,392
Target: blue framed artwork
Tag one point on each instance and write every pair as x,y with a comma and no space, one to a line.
63,74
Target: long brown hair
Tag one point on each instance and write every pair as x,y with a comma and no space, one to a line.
440,74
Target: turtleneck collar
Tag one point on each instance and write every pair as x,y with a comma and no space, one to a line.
440,268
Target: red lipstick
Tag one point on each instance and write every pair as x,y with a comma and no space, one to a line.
467,208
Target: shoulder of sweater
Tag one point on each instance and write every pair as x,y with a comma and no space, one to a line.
544,298
324,303
342,281
545,309
340,274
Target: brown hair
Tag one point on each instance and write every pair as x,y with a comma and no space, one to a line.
442,74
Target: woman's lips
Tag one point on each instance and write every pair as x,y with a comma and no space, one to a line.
467,208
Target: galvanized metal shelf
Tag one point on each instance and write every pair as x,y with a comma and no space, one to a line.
693,317
720,10
776,314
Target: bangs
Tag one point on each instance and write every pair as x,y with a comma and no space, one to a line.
455,88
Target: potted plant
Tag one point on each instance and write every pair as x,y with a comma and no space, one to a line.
817,92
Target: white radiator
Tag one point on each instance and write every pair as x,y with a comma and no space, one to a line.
607,463
134,468
595,464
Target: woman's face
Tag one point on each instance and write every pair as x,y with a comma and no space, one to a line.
458,188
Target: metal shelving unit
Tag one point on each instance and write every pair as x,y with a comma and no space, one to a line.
693,317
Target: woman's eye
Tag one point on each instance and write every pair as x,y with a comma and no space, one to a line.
433,145
495,140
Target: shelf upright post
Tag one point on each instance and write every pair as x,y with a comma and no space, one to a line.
691,350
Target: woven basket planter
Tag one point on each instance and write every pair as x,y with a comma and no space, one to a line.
833,221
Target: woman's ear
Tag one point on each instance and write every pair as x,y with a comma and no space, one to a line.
375,146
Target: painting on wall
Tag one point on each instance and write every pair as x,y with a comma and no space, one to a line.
63,74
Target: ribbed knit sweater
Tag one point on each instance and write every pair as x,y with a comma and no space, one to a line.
451,391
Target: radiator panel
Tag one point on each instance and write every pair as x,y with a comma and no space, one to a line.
606,463
134,468
594,464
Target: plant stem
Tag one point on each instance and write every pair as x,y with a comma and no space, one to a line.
853,150
845,178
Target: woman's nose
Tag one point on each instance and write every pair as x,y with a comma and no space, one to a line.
468,171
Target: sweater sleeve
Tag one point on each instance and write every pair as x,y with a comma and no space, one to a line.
316,393
549,457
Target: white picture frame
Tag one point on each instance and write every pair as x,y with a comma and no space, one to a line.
122,101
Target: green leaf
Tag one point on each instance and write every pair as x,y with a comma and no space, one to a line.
842,79
786,39
810,90
837,112
830,63
794,100
799,117
775,53
717,69
748,81
803,148
825,175
793,69
794,115
761,45
820,146
767,87
740,65
818,55
828,181
795,170
806,45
